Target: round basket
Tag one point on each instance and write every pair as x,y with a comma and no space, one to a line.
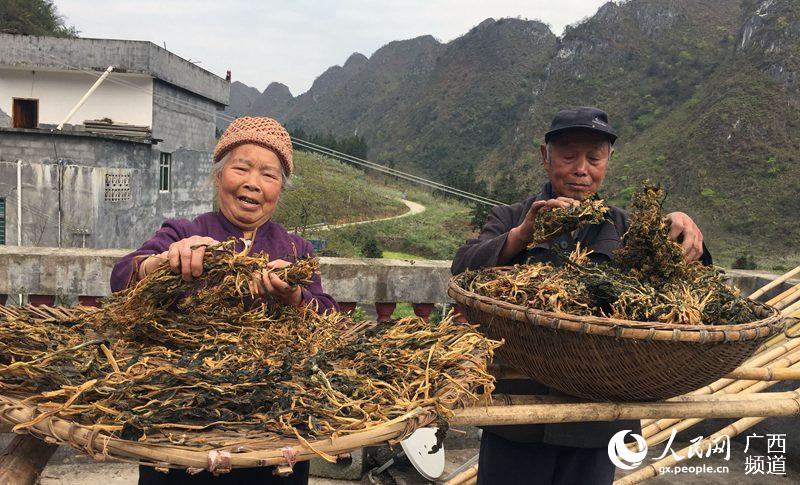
617,360
222,451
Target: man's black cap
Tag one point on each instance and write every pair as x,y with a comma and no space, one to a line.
589,118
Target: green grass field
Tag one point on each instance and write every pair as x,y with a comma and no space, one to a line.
326,191
435,233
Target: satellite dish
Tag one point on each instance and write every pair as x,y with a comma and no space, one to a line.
417,449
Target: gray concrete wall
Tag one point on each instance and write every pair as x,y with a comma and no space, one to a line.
73,271
125,55
186,125
88,219
5,119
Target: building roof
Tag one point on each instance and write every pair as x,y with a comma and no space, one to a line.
136,56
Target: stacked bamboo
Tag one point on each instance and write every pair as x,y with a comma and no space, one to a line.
779,357
738,394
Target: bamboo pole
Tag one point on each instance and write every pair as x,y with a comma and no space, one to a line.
754,396
794,307
524,399
660,426
785,298
765,374
652,470
579,412
464,477
775,339
766,354
785,294
773,283
660,430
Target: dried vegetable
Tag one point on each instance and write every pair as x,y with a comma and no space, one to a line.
646,280
551,223
176,362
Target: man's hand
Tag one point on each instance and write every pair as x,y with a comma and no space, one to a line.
268,283
520,236
181,257
683,230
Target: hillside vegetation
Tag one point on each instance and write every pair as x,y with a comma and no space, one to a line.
704,95
436,233
326,191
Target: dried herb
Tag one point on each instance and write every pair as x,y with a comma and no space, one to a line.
552,222
200,363
646,280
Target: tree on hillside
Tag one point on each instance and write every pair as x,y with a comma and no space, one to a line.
34,17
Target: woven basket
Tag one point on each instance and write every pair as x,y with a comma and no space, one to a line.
216,450
617,360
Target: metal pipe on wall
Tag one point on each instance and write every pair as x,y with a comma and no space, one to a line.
19,202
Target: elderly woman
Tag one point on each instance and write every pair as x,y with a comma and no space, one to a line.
251,165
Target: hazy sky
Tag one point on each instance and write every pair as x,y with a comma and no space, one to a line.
293,42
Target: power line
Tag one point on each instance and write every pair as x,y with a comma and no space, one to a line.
398,173
381,168
311,146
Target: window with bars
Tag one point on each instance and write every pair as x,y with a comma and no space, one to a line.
2,221
118,187
164,166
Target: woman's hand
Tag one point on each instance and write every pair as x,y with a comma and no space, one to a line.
181,257
683,230
268,283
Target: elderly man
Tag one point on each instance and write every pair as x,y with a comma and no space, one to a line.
575,156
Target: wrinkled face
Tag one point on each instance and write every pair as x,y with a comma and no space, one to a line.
249,186
578,163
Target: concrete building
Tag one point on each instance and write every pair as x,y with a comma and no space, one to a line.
135,153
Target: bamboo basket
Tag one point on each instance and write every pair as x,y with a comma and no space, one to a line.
222,452
192,448
616,360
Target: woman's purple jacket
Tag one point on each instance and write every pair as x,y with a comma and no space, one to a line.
270,238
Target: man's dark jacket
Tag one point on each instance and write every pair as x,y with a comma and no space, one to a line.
603,239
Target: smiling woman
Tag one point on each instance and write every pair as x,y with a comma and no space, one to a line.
249,185
252,165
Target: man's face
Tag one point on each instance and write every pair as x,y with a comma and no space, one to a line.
577,164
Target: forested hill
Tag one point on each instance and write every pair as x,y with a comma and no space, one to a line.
704,94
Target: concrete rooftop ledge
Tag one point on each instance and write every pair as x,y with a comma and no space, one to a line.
76,133
136,56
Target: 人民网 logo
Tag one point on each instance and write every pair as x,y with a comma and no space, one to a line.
622,456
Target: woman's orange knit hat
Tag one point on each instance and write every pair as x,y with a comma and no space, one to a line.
264,132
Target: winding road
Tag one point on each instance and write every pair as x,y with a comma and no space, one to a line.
413,209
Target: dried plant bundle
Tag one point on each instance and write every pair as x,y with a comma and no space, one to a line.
550,223
646,280
188,363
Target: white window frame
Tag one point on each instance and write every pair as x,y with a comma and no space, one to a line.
164,163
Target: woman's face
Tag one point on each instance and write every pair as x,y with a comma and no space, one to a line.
249,186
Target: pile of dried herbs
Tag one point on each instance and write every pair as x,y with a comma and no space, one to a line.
646,280
551,223
168,357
